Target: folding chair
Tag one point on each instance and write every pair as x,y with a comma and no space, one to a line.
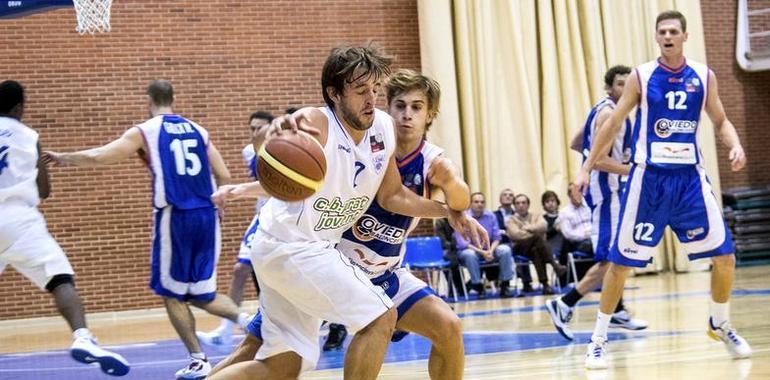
424,254
576,257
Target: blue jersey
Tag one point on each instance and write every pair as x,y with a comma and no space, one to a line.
668,114
178,158
375,241
602,184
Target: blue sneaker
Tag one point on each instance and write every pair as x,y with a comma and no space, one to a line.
86,351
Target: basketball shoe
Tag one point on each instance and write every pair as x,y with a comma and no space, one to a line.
596,354
221,336
85,350
622,319
198,369
735,344
561,314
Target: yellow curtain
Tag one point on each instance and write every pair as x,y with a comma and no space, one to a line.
518,78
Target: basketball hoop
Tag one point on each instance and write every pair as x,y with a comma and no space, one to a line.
93,16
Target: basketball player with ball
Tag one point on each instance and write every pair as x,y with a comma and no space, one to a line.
304,278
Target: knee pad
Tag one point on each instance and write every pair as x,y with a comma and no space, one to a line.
59,279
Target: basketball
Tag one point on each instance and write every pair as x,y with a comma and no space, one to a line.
291,167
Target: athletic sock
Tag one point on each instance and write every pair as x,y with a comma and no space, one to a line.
571,298
243,320
602,324
719,312
82,333
198,355
620,306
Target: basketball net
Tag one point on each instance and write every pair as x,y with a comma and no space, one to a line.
93,16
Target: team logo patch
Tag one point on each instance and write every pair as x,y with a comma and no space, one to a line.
691,84
377,142
368,228
665,127
379,162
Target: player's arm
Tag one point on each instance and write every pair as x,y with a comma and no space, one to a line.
445,175
607,163
725,127
218,167
577,141
248,190
118,150
610,128
43,179
310,120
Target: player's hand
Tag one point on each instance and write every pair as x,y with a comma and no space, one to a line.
469,229
737,158
53,158
224,194
581,180
298,121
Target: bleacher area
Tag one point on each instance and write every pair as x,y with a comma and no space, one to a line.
747,210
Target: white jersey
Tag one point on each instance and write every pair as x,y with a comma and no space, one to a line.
18,163
376,242
353,177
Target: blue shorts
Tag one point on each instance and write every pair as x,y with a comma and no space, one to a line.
185,250
680,198
244,253
604,220
255,326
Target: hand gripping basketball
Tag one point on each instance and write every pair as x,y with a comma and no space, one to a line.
291,166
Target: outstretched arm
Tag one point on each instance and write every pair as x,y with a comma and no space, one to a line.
118,150
726,129
218,167
43,179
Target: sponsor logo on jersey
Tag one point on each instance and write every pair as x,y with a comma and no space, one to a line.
675,80
665,127
6,133
630,251
377,142
337,214
343,147
692,234
368,228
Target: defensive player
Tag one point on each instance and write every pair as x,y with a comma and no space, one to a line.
667,183
603,197
186,239
25,243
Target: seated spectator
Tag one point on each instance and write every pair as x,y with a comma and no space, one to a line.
503,212
575,221
445,232
527,231
472,257
551,203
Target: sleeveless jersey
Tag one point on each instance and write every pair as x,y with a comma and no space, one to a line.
602,183
353,177
665,132
178,159
251,158
375,243
18,163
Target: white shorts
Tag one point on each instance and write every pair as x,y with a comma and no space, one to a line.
244,252
303,283
26,245
403,288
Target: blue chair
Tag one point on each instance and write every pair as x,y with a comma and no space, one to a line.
424,254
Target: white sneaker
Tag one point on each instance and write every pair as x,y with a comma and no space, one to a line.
217,337
622,319
85,350
735,344
198,369
596,354
560,316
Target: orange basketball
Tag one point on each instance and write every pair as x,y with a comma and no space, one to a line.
291,167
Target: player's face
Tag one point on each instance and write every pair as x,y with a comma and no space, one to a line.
477,204
356,103
670,37
258,130
617,86
410,111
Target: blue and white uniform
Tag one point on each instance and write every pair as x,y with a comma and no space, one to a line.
186,238
603,195
667,184
375,243
303,278
25,242
244,253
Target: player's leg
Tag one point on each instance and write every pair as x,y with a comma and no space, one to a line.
369,343
422,312
699,225
181,317
247,349
283,366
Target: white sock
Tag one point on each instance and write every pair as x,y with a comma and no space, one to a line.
198,355
602,324
82,333
226,325
243,320
719,312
